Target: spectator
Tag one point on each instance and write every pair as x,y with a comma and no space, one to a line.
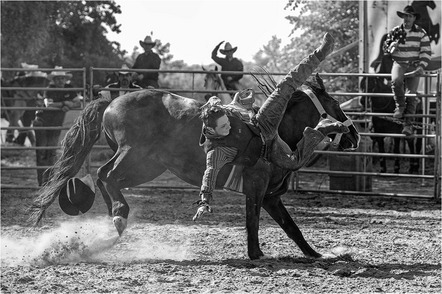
147,60
124,82
62,101
409,46
229,63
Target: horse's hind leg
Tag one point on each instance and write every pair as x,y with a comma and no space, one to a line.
276,209
129,167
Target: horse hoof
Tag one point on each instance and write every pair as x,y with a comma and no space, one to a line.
120,224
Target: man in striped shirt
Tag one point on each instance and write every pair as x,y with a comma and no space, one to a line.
228,138
409,46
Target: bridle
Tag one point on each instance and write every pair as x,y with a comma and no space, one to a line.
348,122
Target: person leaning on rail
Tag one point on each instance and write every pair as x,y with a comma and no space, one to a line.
230,136
124,82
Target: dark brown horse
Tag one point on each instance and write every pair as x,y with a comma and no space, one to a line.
151,131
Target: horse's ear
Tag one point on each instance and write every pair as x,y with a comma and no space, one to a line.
320,82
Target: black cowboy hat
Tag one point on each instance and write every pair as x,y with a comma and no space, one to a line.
228,48
78,195
408,10
147,41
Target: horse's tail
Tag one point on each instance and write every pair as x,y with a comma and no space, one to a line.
76,145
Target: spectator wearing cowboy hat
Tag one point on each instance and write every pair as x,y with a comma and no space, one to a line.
61,101
124,82
409,46
229,63
147,60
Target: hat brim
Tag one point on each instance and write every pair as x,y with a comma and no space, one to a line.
142,44
233,50
77,196
402,14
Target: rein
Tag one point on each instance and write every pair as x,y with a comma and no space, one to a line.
348,122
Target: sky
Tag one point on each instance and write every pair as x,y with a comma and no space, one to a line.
194,27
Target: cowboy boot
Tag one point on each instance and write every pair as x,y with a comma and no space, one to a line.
327,127
328,43
400,107
297,76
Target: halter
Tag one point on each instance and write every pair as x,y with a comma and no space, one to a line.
348,122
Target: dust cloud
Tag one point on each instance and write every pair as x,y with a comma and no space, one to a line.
92,240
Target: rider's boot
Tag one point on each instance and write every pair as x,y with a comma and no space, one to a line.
297,76
327,127
328,43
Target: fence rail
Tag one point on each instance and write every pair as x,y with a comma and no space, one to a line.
365,155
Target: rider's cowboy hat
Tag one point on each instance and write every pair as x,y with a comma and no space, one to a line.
59,73
32,73
245,97
408,10
78,195
147,41
228,48
124,67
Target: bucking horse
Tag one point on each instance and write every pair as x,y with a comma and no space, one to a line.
152,131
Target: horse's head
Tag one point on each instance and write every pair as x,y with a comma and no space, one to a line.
376,85
214,82
322,106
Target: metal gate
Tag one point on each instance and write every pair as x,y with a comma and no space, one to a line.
357,176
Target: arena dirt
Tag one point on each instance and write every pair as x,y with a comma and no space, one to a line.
375,245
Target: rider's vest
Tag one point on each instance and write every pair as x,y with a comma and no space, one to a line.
243,137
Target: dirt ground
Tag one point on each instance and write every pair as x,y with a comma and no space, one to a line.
374,245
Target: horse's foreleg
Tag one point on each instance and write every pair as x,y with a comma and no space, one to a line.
396,150
414,162
382,160
276,209
253,209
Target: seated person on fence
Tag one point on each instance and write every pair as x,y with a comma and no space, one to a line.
228,139
124,82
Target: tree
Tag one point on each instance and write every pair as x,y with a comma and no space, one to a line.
50,33
311,21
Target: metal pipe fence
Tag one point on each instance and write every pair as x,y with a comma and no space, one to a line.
364,169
